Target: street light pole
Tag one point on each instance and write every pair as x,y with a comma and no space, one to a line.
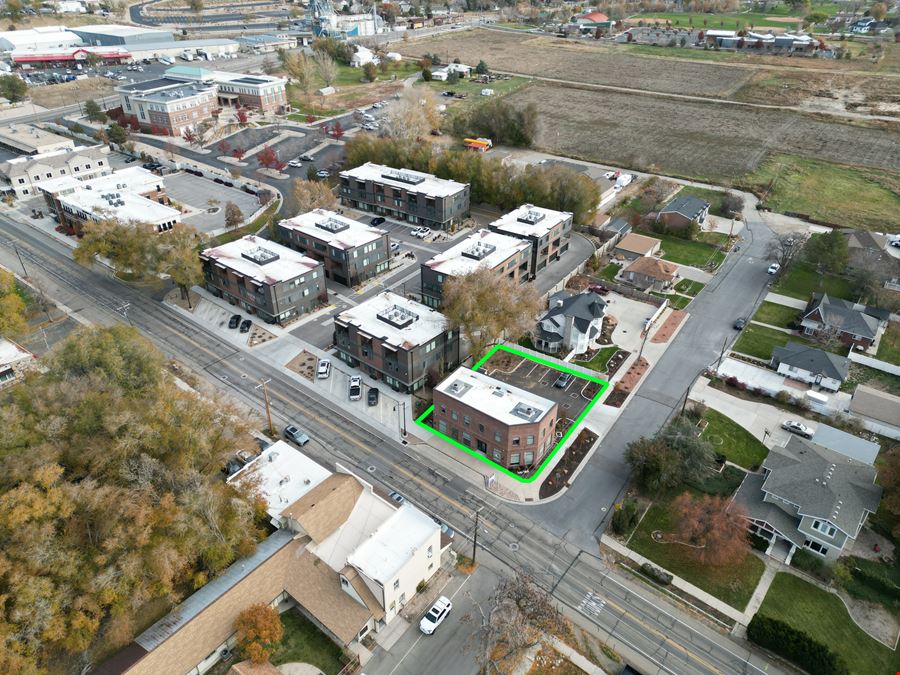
21,262
475,538
262,385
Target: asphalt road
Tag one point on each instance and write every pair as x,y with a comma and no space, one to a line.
515,536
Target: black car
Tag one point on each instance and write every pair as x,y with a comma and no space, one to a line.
245,325
377,220
234,321
372,396
740,323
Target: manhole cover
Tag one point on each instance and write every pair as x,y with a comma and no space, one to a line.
243,376
370,469
513,546
223,377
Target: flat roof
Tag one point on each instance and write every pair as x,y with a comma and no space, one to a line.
282,475
482,248
125,205
28,135
149,85
503,402
388,549
398,321
412,181
336,230
530,221
177,90
133,178
287,263
11,353
117,29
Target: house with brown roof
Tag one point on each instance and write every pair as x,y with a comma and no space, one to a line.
344,556
650,274
634,246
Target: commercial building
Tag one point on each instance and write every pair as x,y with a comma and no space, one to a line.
128,195
24,175
264,278
266,44
344,556
507,255
351,251
107,35
548,231
264,93
27,139
43,37
510,426
396,340
416,197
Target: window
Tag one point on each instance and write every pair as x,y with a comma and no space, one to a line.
466,439
402,598
515,440
21,181
816,546
430,566
397,585
529,440
823,527
481,428
495,453
453,415
430,551
344,583
442,426
443,409
393,605
49,175
7,375
514,459
497,436
529,458
466,420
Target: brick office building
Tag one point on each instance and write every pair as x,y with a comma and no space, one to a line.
397,340
168,104
351,251
510,426
264,278
505,254
416,197
548,231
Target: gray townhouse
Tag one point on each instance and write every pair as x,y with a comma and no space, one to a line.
24,176
549,231
396,340
275,283
413,196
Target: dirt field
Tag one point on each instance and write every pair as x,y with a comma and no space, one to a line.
713,142
54,95
792,82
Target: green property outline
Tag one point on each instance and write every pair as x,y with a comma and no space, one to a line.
604,385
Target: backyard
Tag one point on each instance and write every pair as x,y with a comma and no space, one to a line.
676,301
610,271
305,643
759,341
716,198
889,347
775,314
823,617
860,374
801,281
686,252
732,440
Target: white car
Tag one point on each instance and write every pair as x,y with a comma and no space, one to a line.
395,246
323,173
324,369
797,428
609,175
370,126
421,232
773,268
295,163
436,615
354,388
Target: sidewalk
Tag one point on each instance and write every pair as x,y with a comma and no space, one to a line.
786,300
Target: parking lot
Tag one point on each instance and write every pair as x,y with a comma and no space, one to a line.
539,379
205,195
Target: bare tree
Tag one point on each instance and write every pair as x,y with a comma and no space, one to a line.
327,68
413,116
313,194
487,305
784,248
300,68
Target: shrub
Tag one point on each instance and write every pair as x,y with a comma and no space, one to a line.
625,516
421,586
660,576
811,564
759,543
426,74
796,646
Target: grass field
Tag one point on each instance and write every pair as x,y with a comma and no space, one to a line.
689,287
775,315
610,271
732,440
889,347
685,252
860,374
759,341
305,643
473,89
516,26
847,196
601,358
824,617
802,280
716,21
731,584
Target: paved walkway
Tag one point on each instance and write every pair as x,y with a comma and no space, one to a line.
787,300
575,657
778,328
772,568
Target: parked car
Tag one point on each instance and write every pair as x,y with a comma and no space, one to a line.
773,268
436,615
377,220
370,126
397,497
324,369
354,388
395,246
609,175
372,396
323,173
896,243
740,323
797,428
563,380
295,163
445,529
416,231
293,433
234,321
305,158
598,289
421,232
245,325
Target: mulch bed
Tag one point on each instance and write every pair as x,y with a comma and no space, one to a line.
504,361
615,362
567,464
669,326
304,364
627,384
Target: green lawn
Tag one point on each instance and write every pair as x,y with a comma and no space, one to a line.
689,287
473,89
889,347
845,195
601,358
801,281
305,643
686,252
860,374
715,21
683,53
610,271
713,238
775,314
675,301
734,441
759,341
823,617
733,585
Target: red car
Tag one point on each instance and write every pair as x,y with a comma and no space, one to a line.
599,290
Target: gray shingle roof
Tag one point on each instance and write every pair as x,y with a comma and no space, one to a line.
688,206
584,307
876,404
824,483
750,497
812,360
840,314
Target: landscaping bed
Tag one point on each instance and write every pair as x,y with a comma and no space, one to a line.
558,478
598,358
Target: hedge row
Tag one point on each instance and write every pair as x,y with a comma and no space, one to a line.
796,646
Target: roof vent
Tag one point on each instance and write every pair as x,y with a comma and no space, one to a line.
530,216
527,412
479,250
333,225
273,456
397,316
403,176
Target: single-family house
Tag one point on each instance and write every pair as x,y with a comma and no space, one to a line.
877,410
869,251
14,361
808,496
853,324
682,211
651,274
572,323
634,246
813,366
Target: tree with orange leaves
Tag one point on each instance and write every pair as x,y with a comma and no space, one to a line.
714,536
259,631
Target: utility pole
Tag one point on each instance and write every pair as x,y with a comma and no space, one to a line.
721,354
262,385
475,538
21,262
641,350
